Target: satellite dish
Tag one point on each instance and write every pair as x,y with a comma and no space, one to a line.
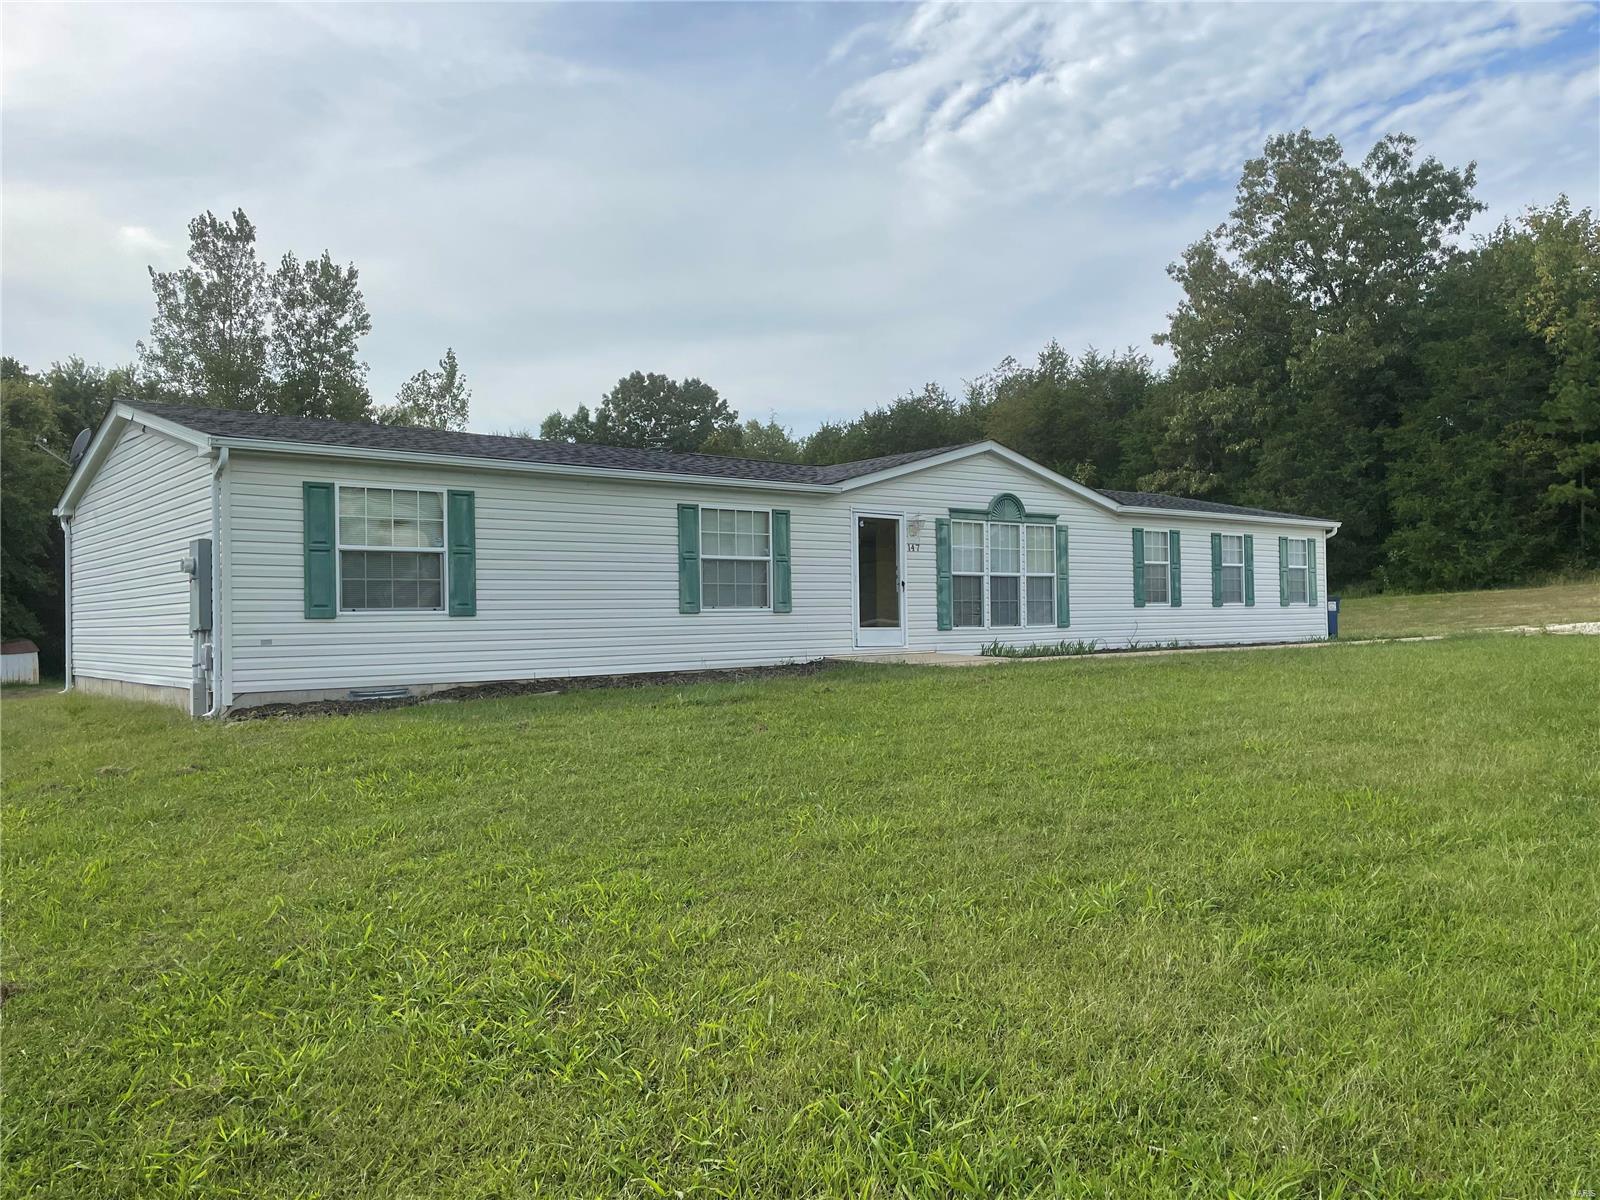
80,447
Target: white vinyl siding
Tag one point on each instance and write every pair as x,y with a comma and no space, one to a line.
134,522
580,576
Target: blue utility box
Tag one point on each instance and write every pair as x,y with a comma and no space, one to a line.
1333,616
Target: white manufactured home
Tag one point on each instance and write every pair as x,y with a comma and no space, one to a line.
220,559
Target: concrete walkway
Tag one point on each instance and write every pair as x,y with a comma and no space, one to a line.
920,658
943,658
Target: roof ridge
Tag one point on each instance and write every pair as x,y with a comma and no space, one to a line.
157,407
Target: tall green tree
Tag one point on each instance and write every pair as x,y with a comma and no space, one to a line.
318,320
651,411
432,399
29,485
209,337
921,420
1467,464
1294,342
767,442
579,427
1076,416
1563,308
82,395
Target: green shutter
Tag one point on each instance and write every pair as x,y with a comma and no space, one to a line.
1138,568
1063,607
1175,567
1249,570
941,562
782,601
1216,570
322,589
462,537
1311,570
1283,572
688,558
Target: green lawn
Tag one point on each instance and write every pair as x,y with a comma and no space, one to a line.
1303,922
1458,612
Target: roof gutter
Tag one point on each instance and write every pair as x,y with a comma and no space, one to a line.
476,463
1135,510
66,601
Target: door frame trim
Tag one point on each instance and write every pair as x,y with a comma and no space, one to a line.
899,519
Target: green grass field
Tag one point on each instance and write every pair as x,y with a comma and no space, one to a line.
1315,922
1461,612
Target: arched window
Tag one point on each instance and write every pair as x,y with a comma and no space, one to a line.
1006,507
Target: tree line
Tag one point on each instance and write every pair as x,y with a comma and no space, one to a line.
1337,351
226,332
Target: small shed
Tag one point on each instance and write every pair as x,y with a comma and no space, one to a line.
19,662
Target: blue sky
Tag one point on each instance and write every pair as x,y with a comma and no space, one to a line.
813,207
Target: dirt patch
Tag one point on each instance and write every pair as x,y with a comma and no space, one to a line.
531,687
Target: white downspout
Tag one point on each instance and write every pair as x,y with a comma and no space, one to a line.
217,619
66,537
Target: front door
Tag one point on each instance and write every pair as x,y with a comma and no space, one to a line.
880,582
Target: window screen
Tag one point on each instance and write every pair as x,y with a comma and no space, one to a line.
391,549
1156,567
1232,568
735,558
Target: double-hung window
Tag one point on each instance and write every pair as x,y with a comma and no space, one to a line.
1232,568
1002,574
966,573
735,558
1299,585
1041,564
1005,575
391,549
1157,566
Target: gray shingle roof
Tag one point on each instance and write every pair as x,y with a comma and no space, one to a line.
1184,504
311,432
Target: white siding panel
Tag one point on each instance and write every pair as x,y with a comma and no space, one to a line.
130,602
579,576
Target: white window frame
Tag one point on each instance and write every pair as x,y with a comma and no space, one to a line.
700,549
1165,562
981,575
1028,573
1304,569
339,547
1020,574
1224,566
987,576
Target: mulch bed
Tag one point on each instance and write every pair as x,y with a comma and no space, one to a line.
530,687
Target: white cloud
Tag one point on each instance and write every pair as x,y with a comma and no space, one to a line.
811,208
1077,100
139,240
